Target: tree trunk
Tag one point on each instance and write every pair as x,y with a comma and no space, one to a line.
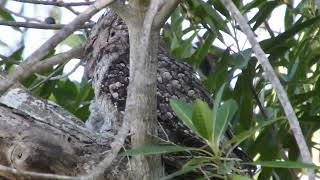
40,136
142,106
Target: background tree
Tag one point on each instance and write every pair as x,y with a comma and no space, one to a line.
292,53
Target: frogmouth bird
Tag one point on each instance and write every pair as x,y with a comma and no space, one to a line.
107,59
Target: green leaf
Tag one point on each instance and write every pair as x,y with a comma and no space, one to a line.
83,112
242,58
148,150
184,112
202,50
216,104
17,56
274,42
251,5
201,119
239,177
5,15
175,43
225,113
196,161
244,135
243,95
283,164
263,13
74,40
65,93
184,48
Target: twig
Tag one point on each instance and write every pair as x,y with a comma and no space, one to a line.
72,10
268,28
165,11
60,76
39,25
12,173
56,3
52,77
19,15
57,59
272,77
22,71
47,78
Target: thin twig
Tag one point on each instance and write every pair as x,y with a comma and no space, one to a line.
47,78
56,3
39,25
272,77
72,10
268,28
57,59
61,76
19,15
165,11
23,70
12,173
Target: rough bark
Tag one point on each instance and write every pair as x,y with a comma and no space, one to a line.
40,136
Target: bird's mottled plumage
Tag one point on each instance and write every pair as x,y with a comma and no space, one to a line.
107,57
174,80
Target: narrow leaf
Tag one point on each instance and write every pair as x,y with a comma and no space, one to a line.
239,177
147,150
216,107
283,164
244,135
225,113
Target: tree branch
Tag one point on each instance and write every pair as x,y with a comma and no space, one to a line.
19,15
165,11
56,3
57,59
38,25
41,52
272,77
19,174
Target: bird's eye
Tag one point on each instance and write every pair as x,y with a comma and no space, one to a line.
112,34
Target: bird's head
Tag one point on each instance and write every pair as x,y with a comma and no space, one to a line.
108,38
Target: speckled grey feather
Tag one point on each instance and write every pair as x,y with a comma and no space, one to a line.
107,59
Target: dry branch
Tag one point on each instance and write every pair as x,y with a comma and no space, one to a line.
57,3
38,25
